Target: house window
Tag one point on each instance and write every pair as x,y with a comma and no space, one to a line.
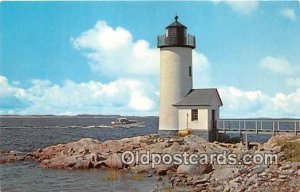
194,115
190,71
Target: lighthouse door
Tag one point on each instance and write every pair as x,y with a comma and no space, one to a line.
213,119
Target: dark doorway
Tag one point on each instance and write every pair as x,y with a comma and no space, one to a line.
213,119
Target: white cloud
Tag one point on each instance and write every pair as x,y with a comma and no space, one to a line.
127,96
201,71
288,13
278,65
245,104
245,7
103,37
7,90
114,54
239,103
123,96
140,102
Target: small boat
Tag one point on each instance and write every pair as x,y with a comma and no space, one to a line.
126,123
89,127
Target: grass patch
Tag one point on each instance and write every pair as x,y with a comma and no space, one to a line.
283,141
292,151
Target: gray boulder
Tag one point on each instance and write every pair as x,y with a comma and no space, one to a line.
197,169
224,174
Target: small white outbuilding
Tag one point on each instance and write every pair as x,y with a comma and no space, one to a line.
199,110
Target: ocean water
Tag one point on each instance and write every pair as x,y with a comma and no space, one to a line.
29,177
29,134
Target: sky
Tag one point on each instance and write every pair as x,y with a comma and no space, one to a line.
101,57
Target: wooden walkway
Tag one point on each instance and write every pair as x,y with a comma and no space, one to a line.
263,126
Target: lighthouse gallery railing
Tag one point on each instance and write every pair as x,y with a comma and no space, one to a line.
163,40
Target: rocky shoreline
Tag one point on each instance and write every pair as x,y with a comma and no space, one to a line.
88,153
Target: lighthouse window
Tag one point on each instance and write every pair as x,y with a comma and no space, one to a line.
194,116
172,32
190,71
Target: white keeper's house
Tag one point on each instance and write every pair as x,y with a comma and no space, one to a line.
181,106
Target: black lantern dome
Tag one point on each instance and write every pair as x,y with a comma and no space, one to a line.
176,36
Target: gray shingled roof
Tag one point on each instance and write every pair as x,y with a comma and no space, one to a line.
200,97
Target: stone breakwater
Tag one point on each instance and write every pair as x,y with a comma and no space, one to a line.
88,153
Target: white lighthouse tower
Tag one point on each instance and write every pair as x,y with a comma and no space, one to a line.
175,72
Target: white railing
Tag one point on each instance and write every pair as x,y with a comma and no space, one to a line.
261,125
163,41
